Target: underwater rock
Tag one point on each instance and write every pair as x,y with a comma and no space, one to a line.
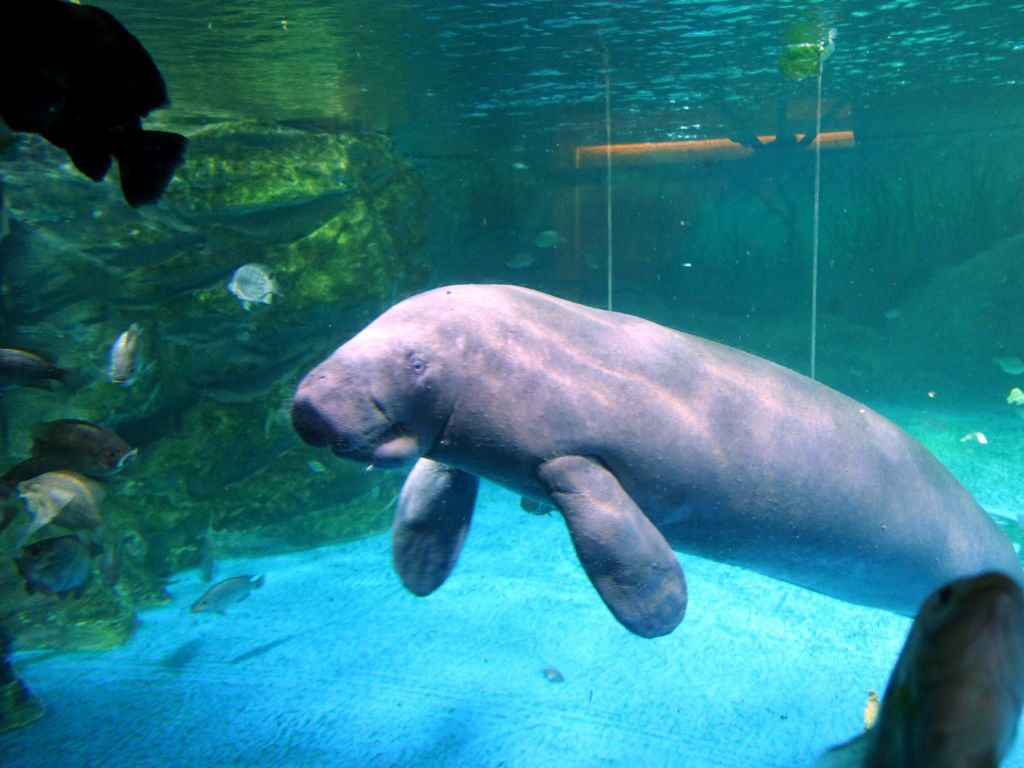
968,313
18,706
335,216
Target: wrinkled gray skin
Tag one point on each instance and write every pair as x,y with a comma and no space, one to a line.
642,438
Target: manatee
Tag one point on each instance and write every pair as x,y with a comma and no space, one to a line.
646,440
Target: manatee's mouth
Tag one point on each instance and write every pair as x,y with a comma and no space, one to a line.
394,447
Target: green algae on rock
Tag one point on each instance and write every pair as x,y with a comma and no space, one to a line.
338,218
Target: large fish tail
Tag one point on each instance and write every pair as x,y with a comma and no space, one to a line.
148,163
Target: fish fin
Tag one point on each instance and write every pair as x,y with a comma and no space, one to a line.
624,555
8,511
258,582
147,165
69,378
90,156
32,527
849,754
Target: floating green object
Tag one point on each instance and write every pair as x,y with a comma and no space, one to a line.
804,59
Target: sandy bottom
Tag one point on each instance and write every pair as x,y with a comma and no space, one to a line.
333,664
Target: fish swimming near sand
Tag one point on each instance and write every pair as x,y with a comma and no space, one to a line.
954,697
58,566
25,368
221,595
81,446
74,75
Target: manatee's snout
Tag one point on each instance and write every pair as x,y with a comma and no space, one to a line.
309,420
333,408
310,424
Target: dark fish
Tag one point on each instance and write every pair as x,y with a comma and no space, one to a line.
82,447
58,566
220,596
534,507
74,75
8,505
22,367
954,697
32,467
552,675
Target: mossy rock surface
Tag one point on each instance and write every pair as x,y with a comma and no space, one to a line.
338,219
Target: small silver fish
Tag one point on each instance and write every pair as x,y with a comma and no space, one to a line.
221,595
252,284
123,362
954,697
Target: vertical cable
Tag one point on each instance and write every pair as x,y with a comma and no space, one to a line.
608,168
814,234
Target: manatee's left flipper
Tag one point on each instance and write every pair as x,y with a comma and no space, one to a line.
627,559
434,510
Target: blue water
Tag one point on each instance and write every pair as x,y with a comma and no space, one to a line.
760,673
332,663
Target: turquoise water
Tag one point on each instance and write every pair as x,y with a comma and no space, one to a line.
439,143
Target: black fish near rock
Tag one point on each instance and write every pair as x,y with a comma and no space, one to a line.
81,446
58,566
74,445
74,75
22,367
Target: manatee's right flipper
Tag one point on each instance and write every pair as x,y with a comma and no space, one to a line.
434,510
627,559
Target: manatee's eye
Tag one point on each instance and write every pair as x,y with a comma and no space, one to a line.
417,363
945,594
